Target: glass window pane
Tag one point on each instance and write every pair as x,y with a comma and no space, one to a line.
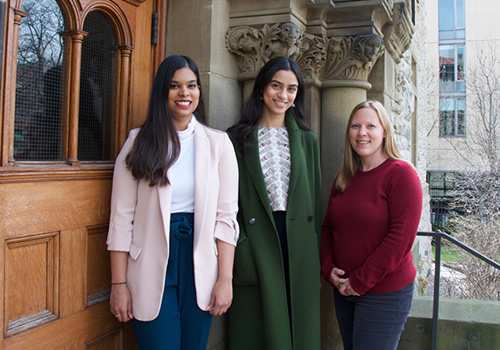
447,62
460,14
96,126
460,34
446,18
447,117
460,62
461,123
461,126
39,118
447,123
447,34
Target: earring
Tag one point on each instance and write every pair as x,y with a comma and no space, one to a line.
293,104
261,98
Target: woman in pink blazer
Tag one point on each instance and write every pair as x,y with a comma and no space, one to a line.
173,225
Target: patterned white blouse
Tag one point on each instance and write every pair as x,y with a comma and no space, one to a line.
275,161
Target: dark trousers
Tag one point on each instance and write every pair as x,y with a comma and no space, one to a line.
373,321
181,324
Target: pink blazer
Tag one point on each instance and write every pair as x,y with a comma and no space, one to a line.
140,221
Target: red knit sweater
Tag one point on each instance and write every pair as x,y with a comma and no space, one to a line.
369,229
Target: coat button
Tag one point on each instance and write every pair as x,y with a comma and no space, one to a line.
310,218
251,221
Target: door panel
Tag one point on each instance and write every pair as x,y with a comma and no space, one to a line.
55,279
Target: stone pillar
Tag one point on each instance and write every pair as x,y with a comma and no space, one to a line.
338,100
203,41
345,84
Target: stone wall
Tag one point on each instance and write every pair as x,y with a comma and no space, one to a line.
348,51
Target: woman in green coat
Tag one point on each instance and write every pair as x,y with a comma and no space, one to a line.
276,268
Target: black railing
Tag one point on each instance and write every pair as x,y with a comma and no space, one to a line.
437,271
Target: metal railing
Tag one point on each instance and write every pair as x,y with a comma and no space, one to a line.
437,272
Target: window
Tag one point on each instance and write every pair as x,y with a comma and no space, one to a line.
441,185
39,121
48,126
451,68
451,117
451,19
95,125
451,63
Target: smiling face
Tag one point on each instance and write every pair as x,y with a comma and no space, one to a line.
183,97
278,96
366,135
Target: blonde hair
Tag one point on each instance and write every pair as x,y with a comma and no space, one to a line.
351,158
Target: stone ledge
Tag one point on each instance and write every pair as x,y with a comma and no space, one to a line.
466,310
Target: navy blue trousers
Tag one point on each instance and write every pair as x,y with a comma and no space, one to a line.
181,324
373,321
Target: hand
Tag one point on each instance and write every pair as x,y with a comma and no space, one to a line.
222,297
120,302
335,278
346,290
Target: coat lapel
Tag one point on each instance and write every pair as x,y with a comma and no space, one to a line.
201,166
165,200
254,168
295,150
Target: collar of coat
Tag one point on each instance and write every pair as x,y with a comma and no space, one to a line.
252,161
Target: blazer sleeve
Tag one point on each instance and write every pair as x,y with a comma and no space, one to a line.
123,201
226,225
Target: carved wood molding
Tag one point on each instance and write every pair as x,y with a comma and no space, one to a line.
32,281
62,172
136,3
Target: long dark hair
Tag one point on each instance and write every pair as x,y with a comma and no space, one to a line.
252,111
157,146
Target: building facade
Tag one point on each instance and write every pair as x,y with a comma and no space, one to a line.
463,83
76,76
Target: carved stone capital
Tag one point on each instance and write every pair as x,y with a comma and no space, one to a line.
352,57
257,46
319,57
398,35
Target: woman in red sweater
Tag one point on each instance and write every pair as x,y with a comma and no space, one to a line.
368,232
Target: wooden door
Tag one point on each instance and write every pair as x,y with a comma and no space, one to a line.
75,79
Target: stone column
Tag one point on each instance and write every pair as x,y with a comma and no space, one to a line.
254,47
345,84
338,100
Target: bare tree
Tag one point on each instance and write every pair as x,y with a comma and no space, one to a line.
480,149
476,195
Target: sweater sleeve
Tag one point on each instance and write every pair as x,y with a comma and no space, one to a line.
404,196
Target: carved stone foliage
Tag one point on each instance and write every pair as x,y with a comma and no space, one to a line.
398,35
257,46
319,57
352,58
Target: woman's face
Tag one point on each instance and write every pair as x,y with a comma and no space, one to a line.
367,134
279,94
183,96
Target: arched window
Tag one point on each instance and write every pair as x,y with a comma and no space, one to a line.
97,82
39,129
52,123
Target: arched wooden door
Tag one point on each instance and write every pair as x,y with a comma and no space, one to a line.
75,79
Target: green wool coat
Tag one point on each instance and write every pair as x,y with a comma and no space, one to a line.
258,318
